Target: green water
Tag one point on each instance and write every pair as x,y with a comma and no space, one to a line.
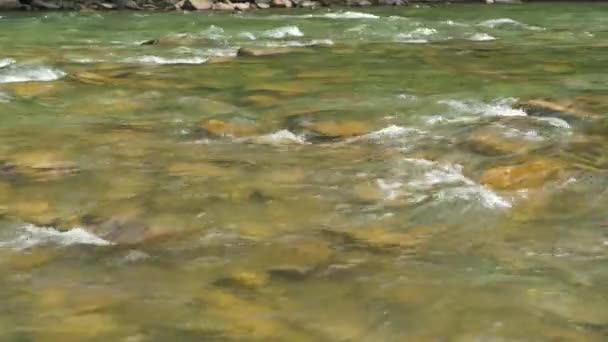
377,180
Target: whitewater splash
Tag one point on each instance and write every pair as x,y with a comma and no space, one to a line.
12,74
481,37
417,36
148,59
423,180
294,43
31,236
4,98
282,137
495,23
350,15
499,107
6,62
283,32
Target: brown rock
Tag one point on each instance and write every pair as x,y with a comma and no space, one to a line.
198,5
236,129
342,129
491,142
247,280
282,3
9,5
564,108
223,6
531,174
262,52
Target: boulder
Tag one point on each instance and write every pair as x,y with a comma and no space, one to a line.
282,3
242,6
195,5
262,5
358,3
9,5
40,4
308,4
531,174
223,6
392,2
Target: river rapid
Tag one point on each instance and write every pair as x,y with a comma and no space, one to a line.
387,174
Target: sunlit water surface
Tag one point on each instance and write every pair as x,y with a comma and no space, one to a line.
376,180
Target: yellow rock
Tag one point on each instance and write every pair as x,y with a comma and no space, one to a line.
35,88
249,280
532,174
339,128
92,78
242,318
222,128
33,211
492,142
566,106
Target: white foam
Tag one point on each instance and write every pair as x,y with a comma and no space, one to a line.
294,43
213,32
350,15
148,59
283,32
494,23
455,185
29,73
391,190
31,235
390,132
500,107
485,196
4,98
280,137
408,97
247,35
555,122
417,36
481,37
4,62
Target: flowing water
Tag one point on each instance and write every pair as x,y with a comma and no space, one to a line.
377,176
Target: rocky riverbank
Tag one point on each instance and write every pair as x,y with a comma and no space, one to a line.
207,5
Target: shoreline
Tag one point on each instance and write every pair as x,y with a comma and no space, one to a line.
219,5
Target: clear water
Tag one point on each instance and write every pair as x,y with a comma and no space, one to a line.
377,182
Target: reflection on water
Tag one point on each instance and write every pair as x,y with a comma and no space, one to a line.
412,174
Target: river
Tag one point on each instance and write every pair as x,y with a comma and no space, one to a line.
380,174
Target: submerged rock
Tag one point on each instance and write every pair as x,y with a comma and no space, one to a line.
491,142
378,239
566,109
246,280
237,128
42,165
326,130
262,52
531,174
